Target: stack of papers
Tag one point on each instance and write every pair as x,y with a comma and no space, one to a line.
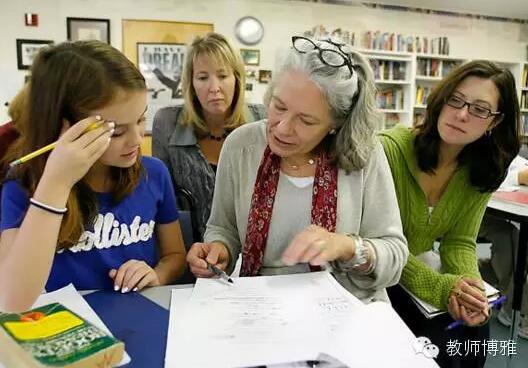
283,319
430,311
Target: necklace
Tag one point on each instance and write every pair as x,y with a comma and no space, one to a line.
297,167
218,138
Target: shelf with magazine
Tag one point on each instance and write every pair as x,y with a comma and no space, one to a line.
393,77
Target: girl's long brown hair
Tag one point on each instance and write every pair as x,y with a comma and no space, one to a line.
67,82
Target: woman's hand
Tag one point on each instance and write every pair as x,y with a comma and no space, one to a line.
470,294
316,246
134,275
201,254
470,318
77,150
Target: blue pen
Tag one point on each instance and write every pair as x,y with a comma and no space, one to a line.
494,304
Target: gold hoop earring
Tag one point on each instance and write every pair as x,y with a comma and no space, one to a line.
488,133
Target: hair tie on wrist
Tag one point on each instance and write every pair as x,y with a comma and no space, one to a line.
47,207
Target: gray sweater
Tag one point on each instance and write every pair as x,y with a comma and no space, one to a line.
366,205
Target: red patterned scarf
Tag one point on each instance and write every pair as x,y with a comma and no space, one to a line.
324,206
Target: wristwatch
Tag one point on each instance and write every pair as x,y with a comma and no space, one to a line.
361,254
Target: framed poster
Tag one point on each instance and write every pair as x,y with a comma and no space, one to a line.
161,64
27,50
250,56
88,29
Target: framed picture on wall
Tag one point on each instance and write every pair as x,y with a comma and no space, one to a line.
88,29
264,76
161,64
250,56
27,50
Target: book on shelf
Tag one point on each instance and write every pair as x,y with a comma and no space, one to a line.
54,336
390,99
388,69
320,32
377,40
524,78
428,67
422,93
523,103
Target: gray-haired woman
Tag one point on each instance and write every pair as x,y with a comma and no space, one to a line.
311,184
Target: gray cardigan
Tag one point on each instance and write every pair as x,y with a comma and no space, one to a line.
176,145
366,205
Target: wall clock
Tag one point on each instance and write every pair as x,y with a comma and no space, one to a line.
249,30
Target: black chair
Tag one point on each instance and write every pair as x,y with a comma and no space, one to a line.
186,202
186,210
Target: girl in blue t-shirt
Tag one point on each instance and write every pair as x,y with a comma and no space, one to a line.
93,212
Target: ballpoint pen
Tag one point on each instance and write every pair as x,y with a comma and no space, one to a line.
218,272
49,147
494,304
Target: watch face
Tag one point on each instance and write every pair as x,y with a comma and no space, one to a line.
249,30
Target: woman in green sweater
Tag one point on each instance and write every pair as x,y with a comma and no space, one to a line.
444,171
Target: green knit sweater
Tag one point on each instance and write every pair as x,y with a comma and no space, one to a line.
455,221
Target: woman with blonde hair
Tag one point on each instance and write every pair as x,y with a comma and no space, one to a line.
188,137
310,185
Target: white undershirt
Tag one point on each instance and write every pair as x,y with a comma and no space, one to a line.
301,182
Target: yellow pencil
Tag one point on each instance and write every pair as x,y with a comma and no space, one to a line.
44,149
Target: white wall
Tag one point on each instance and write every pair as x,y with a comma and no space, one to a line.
468,38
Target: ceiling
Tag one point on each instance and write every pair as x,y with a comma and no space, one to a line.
501,8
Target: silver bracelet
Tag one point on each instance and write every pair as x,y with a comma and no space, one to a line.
364,256
47,207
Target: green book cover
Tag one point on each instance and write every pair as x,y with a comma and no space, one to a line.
54,336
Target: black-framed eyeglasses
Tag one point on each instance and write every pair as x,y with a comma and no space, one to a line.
329,57
473,108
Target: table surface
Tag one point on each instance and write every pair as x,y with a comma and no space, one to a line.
517,209
161,295
520,210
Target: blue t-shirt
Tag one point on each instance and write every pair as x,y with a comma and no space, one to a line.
120,232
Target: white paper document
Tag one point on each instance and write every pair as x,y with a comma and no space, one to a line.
71,299
279,319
